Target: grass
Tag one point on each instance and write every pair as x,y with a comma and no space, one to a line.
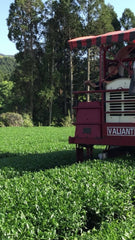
44,194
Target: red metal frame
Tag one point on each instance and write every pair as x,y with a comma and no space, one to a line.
104,139
91,126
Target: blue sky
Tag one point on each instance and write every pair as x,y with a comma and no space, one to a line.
8,48
120,5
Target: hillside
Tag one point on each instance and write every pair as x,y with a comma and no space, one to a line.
3,55
7,64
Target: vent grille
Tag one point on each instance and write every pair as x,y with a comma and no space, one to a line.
115,96
123,106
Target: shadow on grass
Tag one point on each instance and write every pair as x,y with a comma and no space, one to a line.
37,161
41,161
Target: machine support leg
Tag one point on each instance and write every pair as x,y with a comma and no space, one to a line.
89,152
79,153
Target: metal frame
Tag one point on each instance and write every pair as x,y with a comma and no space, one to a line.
102,128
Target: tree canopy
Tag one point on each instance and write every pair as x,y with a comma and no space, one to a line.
41,30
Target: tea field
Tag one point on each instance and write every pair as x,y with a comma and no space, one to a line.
46,195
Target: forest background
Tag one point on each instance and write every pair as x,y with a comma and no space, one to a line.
36,81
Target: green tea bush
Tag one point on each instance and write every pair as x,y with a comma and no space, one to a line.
2,124
27,121
45,195
11,119
67,121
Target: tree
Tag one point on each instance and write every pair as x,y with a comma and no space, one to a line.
128,19
114,19
25,29
24,24
98,18
6,87
108,20
7,66
41,33
62,24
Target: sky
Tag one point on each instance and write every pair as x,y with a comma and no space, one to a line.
8,48
120,5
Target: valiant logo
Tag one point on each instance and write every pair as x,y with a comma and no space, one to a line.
120,131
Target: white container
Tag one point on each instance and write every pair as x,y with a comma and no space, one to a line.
102,155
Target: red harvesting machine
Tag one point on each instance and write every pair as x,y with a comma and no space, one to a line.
110,120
